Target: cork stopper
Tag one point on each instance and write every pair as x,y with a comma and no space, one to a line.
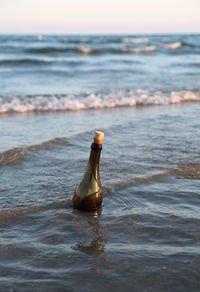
98,137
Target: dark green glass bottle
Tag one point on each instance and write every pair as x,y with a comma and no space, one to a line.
88,193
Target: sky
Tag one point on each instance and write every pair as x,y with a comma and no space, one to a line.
99,16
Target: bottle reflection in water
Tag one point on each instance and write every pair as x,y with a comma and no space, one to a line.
94,242
88,193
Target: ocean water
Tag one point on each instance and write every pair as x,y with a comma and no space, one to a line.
143,92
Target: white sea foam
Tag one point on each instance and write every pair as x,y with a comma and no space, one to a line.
86,51
135,40
146,49
40,37
99,101
172,46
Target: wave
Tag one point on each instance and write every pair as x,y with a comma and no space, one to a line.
96,101
51,50
184,171
135,40
92,51
19,211
77,41
36,62
99,46
105,40
103,50
25,61
146,49
45,50
89,51
16,154
100,50
172,46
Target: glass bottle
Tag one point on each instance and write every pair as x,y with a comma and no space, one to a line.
88,193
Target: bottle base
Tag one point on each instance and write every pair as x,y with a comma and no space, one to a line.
90,203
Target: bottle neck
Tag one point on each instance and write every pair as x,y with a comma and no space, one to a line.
94,159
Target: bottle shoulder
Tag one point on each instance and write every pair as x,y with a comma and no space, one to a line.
90,182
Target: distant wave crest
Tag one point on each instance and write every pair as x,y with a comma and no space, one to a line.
135,40
172,46
146,49
129,46
74,50
92,50
103,50
96,101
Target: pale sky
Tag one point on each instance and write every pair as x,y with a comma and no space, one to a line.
99,16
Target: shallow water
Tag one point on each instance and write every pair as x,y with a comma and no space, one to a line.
146,236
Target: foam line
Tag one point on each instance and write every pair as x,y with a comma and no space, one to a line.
96,101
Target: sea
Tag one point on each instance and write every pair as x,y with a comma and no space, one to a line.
143,92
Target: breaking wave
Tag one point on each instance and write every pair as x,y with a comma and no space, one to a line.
135,40
141,50
96,101
99,50
91,50
75,50
172,46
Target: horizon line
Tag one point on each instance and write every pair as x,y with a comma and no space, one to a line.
99,34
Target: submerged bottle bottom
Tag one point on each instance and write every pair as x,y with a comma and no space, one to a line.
88,203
